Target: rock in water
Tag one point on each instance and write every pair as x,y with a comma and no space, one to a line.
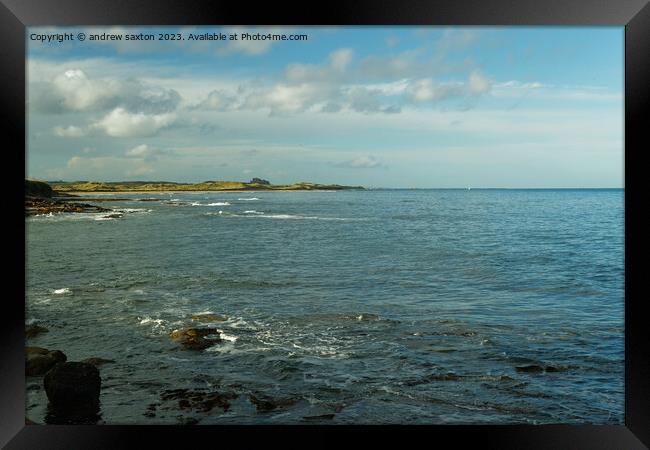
209,318
39,360
195,338
97,361
34,330
73,390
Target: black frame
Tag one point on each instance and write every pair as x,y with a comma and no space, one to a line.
15,15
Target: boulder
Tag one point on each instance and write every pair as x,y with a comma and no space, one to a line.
72,388
39,360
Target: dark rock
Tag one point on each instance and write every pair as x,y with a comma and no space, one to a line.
34,330
37,189
259,181
73,389
97,361
195,338
39,360
187,420
199,400
264,403
320,417
114,216
36,205
532,368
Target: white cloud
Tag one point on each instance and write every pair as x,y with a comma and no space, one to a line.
477,83
69,132
429,90
73,90
121,123
340,59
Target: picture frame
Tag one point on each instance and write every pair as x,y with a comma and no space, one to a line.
634,15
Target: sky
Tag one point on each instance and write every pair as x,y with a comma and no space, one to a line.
400,107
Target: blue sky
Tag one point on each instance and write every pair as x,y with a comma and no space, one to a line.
378,106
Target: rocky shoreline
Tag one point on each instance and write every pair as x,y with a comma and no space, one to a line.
41,199
40,205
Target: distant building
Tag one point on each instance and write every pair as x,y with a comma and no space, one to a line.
258,181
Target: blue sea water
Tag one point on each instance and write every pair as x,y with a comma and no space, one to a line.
376,306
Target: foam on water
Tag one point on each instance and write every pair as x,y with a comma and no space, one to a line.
62,291
250,199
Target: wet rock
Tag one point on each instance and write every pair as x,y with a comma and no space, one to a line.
195,338
39,360
113,216
34,330
265,403
320,417
204,401
531,368
187,420
72,389
34,205
209,318
537,368
97,362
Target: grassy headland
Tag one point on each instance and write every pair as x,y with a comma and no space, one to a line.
136,186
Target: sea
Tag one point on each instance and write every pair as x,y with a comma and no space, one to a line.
378,306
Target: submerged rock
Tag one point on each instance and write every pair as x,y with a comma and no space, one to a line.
362,317
97,361
265,403
535,368
72,389
39,360
199,400
187,420
320,417
34,330
195,338
209,318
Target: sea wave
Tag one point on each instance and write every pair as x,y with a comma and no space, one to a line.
62,291
248,199
253,213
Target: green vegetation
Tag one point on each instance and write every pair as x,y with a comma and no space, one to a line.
125,186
